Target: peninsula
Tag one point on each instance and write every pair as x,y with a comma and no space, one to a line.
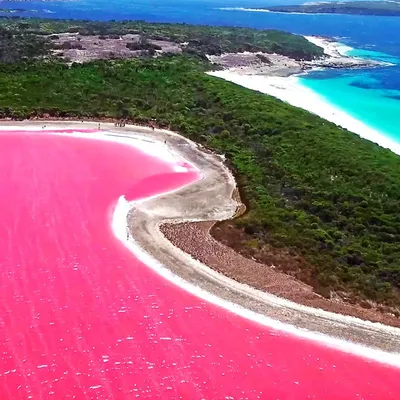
382,8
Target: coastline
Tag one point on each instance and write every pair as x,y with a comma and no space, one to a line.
371,340
331,48
297,10
149,301
288,88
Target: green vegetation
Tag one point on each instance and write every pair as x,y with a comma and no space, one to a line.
15,45
319,190
144,45
200,40
383,8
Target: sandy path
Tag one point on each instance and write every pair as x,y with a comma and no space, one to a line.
210,199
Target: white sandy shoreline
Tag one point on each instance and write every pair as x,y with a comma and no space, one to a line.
290,90
331,48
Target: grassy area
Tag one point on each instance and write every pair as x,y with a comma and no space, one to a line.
316,189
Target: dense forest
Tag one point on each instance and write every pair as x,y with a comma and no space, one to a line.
23,36
15,45
316,189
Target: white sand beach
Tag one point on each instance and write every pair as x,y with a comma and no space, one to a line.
333,49
290,90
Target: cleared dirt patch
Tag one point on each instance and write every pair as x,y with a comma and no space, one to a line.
79,48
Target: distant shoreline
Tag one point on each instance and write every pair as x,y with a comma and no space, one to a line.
335,56
289,89
381,8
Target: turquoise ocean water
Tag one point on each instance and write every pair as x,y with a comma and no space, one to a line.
372,95
362,93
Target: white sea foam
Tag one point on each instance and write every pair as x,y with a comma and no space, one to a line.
262,10
243,9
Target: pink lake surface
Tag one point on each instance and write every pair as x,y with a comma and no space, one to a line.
81,318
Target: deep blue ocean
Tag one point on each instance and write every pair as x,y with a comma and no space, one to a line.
371,95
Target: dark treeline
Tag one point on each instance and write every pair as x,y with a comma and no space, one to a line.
15,45
318,190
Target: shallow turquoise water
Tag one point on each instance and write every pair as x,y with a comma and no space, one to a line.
374,55
369,95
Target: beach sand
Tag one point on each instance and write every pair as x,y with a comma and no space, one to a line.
331,48
290,90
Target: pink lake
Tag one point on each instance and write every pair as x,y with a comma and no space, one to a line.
81,318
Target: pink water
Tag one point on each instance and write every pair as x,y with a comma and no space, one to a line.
81,318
